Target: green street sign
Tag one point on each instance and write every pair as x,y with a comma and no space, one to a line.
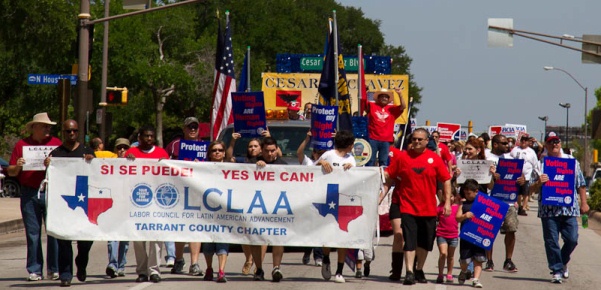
316,63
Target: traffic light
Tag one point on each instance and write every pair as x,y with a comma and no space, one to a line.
116,96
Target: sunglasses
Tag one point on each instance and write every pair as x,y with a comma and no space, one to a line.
192,126
554,142
216,150
71,131
504,143
119,148
418,139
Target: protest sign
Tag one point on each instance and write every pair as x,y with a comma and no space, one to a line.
506,188
482,229
193,150
474,169
559,190
249,114
323,124
447,131
34,157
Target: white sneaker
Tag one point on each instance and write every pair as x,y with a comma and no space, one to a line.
476,283
318,262
53,275
170,263
34,277
339,279
566,272
556,278
326,273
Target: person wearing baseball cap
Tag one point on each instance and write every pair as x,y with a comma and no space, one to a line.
561,219
33,204
294,111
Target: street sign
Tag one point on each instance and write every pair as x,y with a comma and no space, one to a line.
43,79
316,63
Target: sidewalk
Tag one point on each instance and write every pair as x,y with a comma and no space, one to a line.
10,215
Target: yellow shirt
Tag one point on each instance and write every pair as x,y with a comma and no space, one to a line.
105,154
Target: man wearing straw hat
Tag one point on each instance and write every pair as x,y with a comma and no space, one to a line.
26,163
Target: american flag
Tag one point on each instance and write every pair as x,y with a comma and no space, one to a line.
225,81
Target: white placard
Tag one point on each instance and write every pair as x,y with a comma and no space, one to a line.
34,157
474,169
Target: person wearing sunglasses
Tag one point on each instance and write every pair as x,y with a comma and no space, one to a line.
557,219
73,149
418,170
190,130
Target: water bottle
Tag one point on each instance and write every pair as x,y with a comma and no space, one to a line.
584,221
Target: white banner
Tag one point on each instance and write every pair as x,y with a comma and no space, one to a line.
171,200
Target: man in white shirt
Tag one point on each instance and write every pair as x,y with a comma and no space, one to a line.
523,151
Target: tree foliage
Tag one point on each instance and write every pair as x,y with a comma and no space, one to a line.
165,58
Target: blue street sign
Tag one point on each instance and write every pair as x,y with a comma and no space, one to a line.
42,79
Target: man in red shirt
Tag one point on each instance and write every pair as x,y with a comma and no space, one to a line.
26,163
147,263
419,170
380,124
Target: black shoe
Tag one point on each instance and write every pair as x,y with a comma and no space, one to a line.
259,275
366,270
468,275
409,278
81,275
155,278
141,278
111,272
178,267
522,212
65,283
420,277
490,266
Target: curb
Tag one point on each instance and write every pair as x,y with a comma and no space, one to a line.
17,225
595,215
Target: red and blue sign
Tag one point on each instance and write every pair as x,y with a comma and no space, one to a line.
506,188
559,190
249,113
482,229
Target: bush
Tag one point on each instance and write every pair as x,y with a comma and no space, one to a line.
594,200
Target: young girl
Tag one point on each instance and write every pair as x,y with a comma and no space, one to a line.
447,238
467,251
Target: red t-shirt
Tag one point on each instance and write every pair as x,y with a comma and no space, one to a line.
418,175
380,121
445,154
31,178
156,153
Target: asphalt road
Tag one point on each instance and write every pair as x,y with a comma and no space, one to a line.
529,257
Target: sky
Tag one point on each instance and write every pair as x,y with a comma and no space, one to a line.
463,79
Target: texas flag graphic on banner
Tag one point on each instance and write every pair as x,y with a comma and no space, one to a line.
344,208
93,200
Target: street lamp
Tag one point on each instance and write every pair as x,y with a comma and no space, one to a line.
567,106
545,119
586,157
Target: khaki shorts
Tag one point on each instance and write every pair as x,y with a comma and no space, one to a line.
510,224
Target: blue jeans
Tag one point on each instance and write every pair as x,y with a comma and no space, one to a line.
117,255
33,210
557,257
169,250
381,149
317,252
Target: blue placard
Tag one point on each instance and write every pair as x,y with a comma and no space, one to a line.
323,123
482,229
249,114
506,188
44,79
193,150
559,190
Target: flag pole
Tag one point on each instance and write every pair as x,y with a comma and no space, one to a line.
359,80
335,88
248,69
406,122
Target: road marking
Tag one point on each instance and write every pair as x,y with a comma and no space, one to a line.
441,287
142,286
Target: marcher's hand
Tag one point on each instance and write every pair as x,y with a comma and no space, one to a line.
492,169
584,208
236,136
347,166
469,215
521,180
497,176
447,210
544,178
46,161
399,91
130,157
88,157
21,162
261,163
309,135
457,172
265,134
327,167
